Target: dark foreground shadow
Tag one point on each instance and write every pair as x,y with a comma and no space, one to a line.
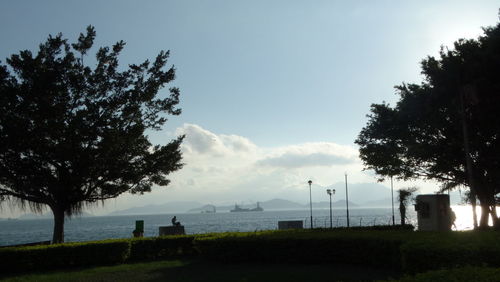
187,271
206,271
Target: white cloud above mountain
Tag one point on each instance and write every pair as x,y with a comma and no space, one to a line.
223,168
310,155
232,168
201,141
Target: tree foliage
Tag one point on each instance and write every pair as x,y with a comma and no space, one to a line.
439,124
72,135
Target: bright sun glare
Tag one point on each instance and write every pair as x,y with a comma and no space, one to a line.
464,217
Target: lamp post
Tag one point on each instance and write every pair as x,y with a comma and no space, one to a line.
330,192
347,200
392,200
310,202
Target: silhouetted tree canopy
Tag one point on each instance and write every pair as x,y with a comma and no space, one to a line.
72,135
422,136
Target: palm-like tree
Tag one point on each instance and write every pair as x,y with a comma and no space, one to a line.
405,196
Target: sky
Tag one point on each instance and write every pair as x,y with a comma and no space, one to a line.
273,93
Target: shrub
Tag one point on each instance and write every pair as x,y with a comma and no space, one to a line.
161,247
412,252
63,255
350,247
406,227
465,274
431,251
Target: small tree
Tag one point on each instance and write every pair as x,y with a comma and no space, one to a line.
71,135
405,197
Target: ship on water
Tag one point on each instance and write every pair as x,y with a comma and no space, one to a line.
239,209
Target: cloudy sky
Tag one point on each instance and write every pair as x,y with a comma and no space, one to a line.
273,92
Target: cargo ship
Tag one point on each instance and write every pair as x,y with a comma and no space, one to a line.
239,209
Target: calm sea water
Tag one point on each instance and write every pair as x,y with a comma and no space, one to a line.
106,227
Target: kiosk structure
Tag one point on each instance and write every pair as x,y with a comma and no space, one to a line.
434,212
139,228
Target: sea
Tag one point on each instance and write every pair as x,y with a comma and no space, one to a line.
80,229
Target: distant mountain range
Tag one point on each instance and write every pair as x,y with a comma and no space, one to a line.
366,196
275,204
196,207
382,203
372,191
48,215
171,207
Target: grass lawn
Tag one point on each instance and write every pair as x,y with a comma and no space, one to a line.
182,270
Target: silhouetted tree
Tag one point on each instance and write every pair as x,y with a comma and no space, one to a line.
405,197
71,135
447,128
468,198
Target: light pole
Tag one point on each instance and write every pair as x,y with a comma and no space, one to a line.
330,192
347,200
310,202
392,200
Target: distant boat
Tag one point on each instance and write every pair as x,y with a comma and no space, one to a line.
238,209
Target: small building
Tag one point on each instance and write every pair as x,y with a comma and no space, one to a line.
433,212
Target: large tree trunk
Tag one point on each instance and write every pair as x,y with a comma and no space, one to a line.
484,201
474,205
58,235
485,214
484,198
487,202
494,217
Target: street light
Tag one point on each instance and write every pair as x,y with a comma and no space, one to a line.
330,192
346,200
392,200
310,202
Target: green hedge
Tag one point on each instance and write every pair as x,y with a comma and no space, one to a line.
161,247
465,274
430,251
58,256
17,259
349,247
412,252
406,227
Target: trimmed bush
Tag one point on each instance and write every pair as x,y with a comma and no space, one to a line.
430,251
412,252
406,227
350,247
161,247
63,255
465,274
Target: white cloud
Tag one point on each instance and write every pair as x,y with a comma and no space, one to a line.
229,168
238,144
310,155
199,140
232,168
202,141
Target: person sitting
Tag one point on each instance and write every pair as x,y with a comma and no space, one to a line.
175,222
